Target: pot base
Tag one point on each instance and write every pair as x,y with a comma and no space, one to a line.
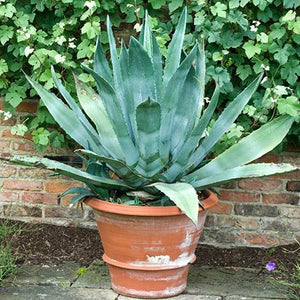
148,284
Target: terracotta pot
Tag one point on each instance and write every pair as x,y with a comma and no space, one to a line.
148,249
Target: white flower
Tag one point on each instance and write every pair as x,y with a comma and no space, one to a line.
90,4
71,39
69,22
62,25
59,58
137,10
280,90
2,0
266,68
28,50
72,45
129,5
60,40
253,28
264,80
206,99
27,35
273,100
6,115
257,23
137,27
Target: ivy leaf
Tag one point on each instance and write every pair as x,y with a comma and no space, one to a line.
234,3
174,4
277,31
290,71
291,3
282,56
6,33
19,129
296,28
263,38
92,29
251,49
243,71
41,136
289,106
156,4
220,75
219,9
244,2
15,94
217,56
289,16
3,66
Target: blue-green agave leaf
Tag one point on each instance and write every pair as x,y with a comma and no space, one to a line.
251,170
249,148
183,195
148,117
109,97
223,123
175,48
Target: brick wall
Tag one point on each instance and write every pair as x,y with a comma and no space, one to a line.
251,212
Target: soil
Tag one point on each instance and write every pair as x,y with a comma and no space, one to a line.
45,244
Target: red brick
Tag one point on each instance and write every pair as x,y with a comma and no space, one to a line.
235,222
261,184
258,239
223,221
246,223
268,158
281,198
27,106
62,212
7,171
59,186
4,145
222,208
294,224
289,175
239,196
26,146
9,197
39,198
35,173
290,212
7,134
292,159
278,224
26,185
293,186
22,211
292,148
9,122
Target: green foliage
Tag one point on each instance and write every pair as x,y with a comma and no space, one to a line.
241,36
153,140
81,271
7,258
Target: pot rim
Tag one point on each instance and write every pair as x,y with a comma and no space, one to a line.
153,211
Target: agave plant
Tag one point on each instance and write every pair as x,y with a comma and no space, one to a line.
147,138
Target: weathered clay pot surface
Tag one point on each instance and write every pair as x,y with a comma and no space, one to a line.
148,249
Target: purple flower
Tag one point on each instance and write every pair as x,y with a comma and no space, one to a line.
271,266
